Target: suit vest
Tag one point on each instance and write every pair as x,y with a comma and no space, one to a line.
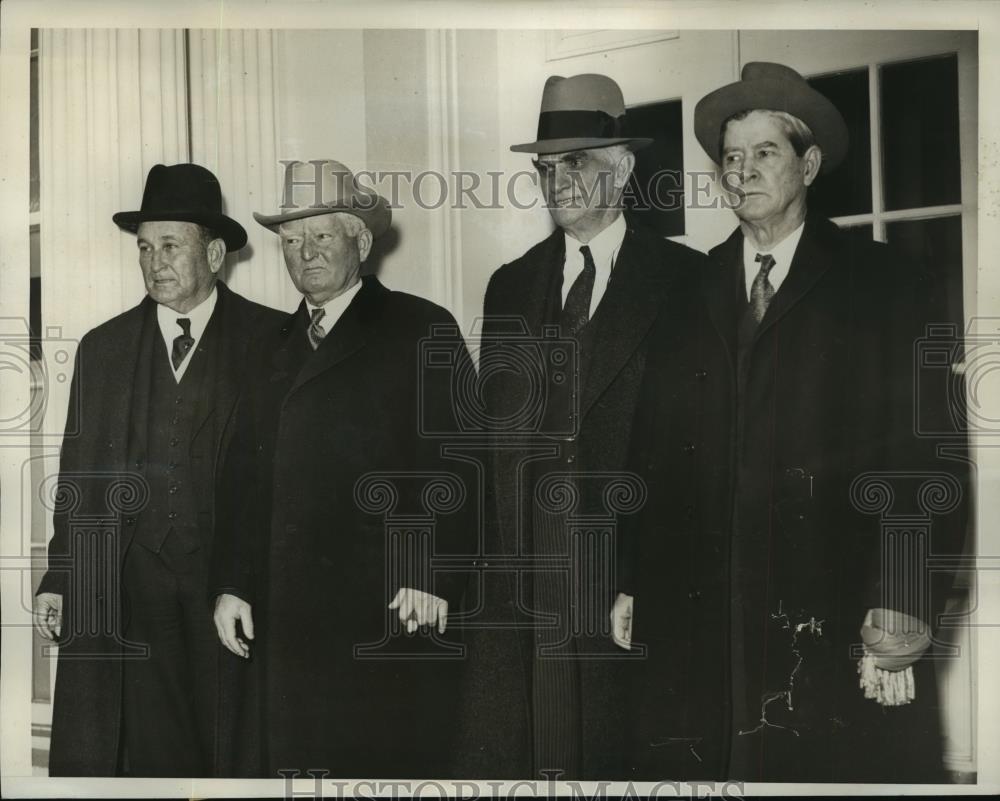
173,498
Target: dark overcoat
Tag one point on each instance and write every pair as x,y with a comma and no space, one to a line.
758,555
306,544
497,714
99,498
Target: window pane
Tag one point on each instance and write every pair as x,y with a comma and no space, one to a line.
655,195
934,248
848,189
920,133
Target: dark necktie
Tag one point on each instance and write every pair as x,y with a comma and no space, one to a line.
761,290
576,311
182,344
316,331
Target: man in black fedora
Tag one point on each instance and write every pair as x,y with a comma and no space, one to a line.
785,635
544,695
137,685
303,565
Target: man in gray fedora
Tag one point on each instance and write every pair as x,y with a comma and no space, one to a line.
138,680
302,575
544,680
785,636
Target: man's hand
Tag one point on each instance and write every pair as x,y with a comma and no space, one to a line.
229,609
48,614
621,621
894,639
418,608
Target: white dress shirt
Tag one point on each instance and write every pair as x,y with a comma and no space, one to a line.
334,308
604,249
169,328
782,253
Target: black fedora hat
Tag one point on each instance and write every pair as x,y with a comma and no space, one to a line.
184,193
579,113
764,85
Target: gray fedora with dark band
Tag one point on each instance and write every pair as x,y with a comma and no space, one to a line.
578,113
775,87
336,190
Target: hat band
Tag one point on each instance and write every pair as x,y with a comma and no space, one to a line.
579,125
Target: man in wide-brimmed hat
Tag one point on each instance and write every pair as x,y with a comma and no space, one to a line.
137,687
544,684
754,612
337,391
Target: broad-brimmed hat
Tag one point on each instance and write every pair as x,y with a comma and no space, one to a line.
764,85
578,113
337,190
184,193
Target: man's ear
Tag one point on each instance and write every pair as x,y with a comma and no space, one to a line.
216,254
623,169
812,160
365,240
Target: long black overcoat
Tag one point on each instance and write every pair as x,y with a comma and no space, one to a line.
496,701
792,560
306,544
99,497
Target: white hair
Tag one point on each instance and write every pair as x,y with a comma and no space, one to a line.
353,224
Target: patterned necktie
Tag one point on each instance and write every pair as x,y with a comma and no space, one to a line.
182,344
576,312
316,331
761,290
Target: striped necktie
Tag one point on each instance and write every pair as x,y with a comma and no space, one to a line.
316,331
761,291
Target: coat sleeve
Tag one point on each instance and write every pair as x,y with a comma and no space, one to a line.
232,560
921,401
57,577
443,394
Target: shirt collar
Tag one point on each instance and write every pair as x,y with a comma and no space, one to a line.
783,253
199,317
605,246
334,307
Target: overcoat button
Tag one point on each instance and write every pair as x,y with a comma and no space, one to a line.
694,595
701,375
688,447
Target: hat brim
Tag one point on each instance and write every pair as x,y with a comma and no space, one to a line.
798,99
232,233
550,146
377,219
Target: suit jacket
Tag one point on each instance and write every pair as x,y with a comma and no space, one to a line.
304,540
497,717
745,543
101,488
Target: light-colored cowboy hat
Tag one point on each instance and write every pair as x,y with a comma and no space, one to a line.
184,193
764,85
578,113
338,192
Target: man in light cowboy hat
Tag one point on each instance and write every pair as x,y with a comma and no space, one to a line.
152,392
336,392
755,610
545,699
